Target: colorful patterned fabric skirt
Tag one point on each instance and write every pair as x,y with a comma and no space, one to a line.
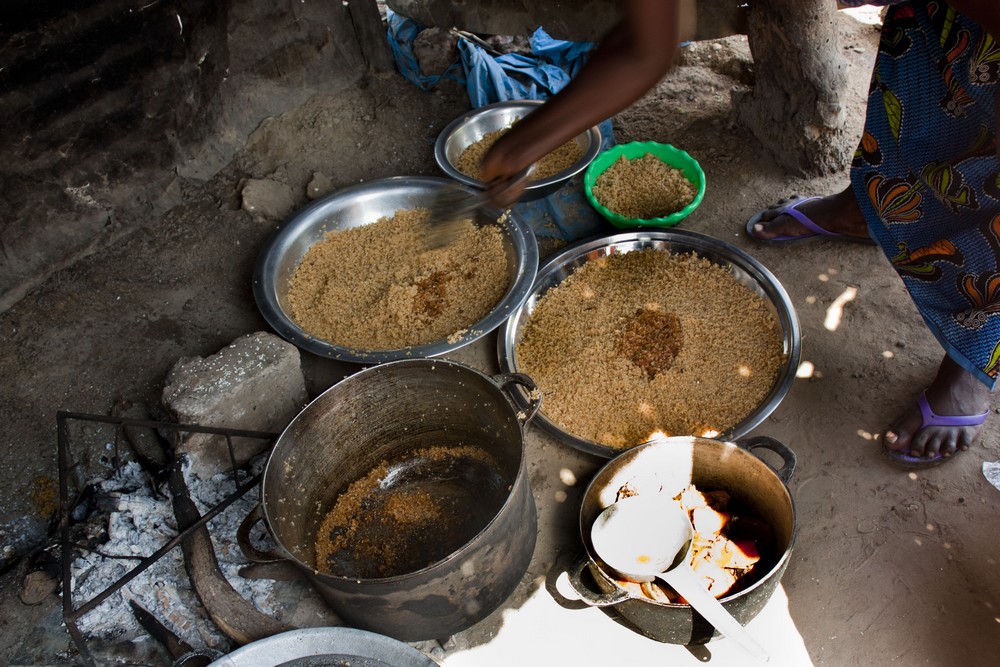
927,176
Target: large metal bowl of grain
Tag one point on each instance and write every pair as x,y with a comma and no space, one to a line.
365,204
762,287
469,132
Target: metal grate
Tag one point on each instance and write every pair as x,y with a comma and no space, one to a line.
68,495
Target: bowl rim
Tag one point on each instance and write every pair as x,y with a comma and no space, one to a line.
441,153
265,269
558,267
606,158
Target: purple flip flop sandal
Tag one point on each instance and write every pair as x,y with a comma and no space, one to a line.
930,418
791,209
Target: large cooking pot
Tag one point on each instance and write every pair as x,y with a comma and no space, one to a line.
670,465
436,581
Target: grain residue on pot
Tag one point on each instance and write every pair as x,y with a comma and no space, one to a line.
554,162
381,526
378,287
643,188
650,341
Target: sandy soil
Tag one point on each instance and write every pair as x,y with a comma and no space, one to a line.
888,567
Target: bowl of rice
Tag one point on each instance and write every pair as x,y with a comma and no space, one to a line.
644,184
460,148
351,276
651,333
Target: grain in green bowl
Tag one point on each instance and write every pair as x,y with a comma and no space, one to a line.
643,188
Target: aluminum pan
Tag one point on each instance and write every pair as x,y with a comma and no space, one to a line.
361,205
326,646
747,270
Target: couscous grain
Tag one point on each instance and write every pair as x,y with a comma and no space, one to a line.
378,287
560,159
648,341
643,188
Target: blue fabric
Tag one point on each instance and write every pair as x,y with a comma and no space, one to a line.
566,214
927,177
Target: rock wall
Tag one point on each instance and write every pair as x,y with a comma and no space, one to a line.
577,20
101,99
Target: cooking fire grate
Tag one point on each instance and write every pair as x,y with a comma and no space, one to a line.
70,488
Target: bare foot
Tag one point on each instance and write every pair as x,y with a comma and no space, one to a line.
837,213
953,392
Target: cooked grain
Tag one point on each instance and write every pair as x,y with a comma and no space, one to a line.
643,188
721,347
377,287
552,163
374,530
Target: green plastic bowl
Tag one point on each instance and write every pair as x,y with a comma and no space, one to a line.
674,157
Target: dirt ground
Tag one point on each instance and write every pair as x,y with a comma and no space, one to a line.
888,567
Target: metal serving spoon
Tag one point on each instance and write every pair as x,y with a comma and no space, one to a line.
645,537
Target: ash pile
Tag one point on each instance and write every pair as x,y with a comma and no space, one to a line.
148,536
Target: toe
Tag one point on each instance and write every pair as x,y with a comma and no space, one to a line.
901,435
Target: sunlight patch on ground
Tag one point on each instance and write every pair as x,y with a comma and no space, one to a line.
544,631
835,313
871,15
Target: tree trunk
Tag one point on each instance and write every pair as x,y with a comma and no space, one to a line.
796,108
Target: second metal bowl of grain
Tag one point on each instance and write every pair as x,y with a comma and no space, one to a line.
471,127
746,271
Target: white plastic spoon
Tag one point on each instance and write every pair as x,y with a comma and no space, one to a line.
648,536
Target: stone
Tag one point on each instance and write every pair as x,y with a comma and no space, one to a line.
729,56
267,199
254,384
37,586
319,186
435,50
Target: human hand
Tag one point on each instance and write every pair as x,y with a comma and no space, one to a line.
506,190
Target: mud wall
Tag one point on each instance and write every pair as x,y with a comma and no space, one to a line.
109,106
566,19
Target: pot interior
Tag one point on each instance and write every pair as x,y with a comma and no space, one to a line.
392,470
670,465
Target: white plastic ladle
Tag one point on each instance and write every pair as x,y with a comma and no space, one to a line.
648,536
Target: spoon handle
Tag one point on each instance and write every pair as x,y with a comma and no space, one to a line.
684,581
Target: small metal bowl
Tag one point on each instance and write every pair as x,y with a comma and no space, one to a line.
747,270
473,125
362,205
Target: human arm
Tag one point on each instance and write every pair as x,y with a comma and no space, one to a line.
627,63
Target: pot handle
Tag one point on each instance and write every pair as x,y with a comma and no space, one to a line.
779,448
594,599
252,553
534,395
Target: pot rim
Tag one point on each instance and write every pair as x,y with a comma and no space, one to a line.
596,564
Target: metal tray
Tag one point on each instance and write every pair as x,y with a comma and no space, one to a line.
745,269
362,205
326,647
